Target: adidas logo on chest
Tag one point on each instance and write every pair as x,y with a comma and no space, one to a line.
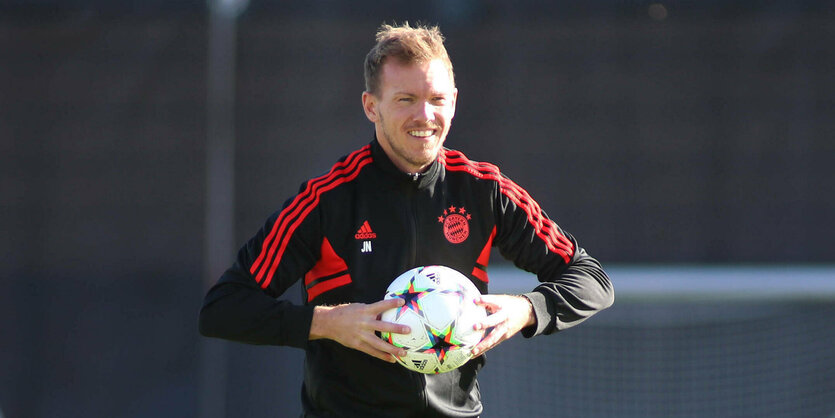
365,234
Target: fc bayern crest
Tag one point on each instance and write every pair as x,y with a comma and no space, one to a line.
456,223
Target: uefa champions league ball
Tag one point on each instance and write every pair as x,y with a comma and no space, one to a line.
440,312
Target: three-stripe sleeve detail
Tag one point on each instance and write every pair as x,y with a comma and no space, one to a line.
275,243
544,228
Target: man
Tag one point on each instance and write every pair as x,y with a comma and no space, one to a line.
380,211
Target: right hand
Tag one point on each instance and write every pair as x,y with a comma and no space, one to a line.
354,325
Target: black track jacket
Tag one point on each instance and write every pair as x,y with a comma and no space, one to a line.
350,232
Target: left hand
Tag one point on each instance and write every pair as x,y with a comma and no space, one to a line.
508,314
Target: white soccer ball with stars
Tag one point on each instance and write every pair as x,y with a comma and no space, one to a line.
441,313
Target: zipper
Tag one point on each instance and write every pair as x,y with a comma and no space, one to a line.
412,205
417,378
412,212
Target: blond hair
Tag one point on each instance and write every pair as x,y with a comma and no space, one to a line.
407,45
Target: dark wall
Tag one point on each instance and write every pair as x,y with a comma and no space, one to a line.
691,140
102,130
702,137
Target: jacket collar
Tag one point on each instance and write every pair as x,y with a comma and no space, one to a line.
384,163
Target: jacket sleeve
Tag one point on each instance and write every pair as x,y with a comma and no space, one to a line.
573,285
243,306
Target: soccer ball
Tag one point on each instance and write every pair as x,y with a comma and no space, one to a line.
440,312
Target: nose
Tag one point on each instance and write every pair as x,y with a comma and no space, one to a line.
426,112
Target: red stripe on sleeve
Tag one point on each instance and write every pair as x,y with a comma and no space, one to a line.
544,228
484,259
288,220
327,285
480,274
301,199
329,264
298,221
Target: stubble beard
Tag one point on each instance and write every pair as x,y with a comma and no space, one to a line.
420,159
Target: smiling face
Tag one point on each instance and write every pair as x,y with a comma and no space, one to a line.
412,112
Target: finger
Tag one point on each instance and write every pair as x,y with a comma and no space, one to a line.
486,301
380,325
492,320
384,326
384,350
492,338
382,355
386,304
484,345
374,346
488,305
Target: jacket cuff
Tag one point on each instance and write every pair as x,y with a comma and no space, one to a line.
296,324
541,312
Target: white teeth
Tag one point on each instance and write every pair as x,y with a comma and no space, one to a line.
422,134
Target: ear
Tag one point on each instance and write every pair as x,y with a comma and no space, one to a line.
369,105
454,101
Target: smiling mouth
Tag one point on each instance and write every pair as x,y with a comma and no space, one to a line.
426,133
